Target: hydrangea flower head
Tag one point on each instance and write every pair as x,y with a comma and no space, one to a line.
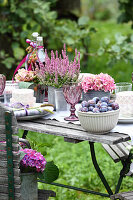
98,82
25,75
33,160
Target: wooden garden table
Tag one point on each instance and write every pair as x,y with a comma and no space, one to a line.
75,133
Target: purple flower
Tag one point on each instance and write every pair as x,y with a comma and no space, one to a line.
34,160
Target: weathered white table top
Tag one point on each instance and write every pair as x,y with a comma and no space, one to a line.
72,131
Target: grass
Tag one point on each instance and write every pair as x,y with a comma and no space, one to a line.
75,165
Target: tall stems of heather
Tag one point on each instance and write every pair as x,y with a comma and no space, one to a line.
58,70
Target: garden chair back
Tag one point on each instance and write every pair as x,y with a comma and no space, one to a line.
9,156
10,182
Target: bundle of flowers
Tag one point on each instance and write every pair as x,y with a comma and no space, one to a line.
25,75
58,70
98,82
33,161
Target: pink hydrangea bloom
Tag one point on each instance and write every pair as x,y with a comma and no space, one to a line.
25,75
98,82
34,160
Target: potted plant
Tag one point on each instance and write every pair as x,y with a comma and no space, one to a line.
58,71
97,85
33,166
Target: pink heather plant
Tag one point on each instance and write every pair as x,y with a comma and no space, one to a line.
57,70
98,82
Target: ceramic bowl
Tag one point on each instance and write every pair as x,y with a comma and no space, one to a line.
98,123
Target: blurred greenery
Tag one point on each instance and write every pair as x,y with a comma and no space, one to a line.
76,168
19,20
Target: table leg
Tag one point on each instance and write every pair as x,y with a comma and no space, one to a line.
126,166
25,134
99,172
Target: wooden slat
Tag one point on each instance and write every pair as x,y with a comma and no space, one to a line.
5,196
15,147
111,153
126,143
73,133
4,180
3,108
123,196
117,151
15,139
16,156
4,188
2,129
123,149
4,163
3,171
70,140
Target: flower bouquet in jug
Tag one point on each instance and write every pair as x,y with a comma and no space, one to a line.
33,161
97,85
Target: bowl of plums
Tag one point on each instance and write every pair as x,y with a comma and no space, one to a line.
98,116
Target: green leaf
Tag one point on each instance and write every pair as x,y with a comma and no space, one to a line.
93,29
25,84
100,51
69,41
115,48
18,53
22,154
14,45
106,41
119,38
131,37
84,20
50,173
8,62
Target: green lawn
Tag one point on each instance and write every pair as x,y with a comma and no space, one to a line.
75,165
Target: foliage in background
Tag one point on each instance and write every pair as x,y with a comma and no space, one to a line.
126,7
19,20
120,49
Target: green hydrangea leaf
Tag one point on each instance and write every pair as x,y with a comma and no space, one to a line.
50,173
